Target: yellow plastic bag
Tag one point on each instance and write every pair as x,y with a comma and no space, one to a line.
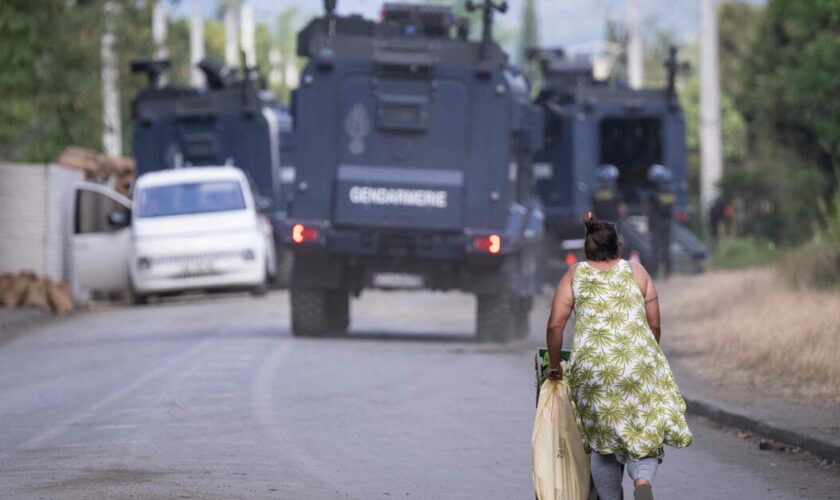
560,466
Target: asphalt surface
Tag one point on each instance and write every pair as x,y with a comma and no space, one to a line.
213,398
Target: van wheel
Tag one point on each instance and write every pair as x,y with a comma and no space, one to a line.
319,312
497,318
139,299
260,290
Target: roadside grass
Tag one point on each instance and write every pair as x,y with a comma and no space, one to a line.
752,327
742,252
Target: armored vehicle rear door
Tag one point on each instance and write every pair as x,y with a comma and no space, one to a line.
402,153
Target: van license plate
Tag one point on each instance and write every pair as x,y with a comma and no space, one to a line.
398,280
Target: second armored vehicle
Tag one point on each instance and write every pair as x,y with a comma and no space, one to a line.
594,127
413,161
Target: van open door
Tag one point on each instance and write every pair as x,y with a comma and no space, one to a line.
101,238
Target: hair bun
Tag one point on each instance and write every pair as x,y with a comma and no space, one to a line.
592,224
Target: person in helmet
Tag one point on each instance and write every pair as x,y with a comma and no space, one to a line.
660,209
606,198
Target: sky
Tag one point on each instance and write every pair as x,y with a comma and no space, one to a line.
561,22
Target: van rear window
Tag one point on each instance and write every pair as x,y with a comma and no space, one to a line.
190,198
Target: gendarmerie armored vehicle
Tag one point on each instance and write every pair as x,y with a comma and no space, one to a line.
233,121
413,160
592,125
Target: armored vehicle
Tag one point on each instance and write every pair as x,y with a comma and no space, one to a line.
414,150
592,124
231,122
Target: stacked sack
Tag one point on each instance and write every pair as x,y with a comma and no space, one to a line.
100,167
26,289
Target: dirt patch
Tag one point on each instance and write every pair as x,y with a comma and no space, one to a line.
102,478
751,328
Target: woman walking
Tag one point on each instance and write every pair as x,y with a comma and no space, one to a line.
627,402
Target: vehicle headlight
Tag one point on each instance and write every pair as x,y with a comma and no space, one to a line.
144,263
248,254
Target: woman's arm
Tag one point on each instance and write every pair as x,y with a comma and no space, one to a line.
651,298
561,309
652,309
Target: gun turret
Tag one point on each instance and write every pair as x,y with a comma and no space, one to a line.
218,76
153,69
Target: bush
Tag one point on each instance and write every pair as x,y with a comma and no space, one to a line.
817,263
742,252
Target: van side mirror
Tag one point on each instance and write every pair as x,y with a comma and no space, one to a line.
119,219
263,203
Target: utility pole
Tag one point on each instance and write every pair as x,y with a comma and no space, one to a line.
231,37
196,43
111,124
711,150
248,41
159,21
635,46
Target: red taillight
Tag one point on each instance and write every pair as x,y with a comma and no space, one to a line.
570,259
490,244
683,217
301,233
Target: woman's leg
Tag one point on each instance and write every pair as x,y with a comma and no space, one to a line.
606,474
642,473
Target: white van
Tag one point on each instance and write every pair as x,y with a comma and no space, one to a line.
197,228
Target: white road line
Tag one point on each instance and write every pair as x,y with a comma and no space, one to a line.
267,416
95,408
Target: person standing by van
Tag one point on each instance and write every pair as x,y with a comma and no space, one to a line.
628,404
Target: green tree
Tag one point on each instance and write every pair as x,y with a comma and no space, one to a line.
793,79
50,85
780,65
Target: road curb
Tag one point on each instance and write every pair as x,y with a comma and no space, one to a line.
726,416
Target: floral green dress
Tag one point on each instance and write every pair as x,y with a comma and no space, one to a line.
625,396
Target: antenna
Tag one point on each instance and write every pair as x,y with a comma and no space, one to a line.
487,6
673,66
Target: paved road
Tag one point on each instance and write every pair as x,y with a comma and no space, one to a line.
215,399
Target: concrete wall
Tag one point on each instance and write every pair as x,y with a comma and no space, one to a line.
35,201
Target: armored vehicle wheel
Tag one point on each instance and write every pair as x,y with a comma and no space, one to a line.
339,311
497,317
523,317
319,312
283,270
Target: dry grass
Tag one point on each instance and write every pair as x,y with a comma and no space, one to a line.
750,327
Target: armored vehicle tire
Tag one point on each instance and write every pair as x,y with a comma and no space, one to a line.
497,318
283,270
339,311
319,312
523,317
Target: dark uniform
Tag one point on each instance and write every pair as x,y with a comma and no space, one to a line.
660,217
606,198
